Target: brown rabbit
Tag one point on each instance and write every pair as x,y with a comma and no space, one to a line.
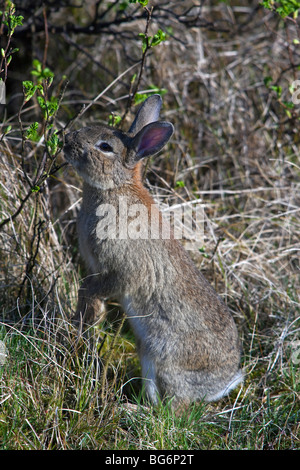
186,338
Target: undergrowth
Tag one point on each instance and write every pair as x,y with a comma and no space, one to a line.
228,76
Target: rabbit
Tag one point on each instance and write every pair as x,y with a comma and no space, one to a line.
186,338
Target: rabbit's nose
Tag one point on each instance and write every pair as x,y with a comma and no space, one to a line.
69,141
71,137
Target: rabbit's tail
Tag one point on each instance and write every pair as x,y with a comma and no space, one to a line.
234,382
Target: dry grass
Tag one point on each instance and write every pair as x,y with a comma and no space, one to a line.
236,150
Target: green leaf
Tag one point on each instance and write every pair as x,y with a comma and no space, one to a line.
140,98
37,65
143,3
8,129
288,113
267,81
158,38
123,5
152,41
114,120
52,106
203,251
49,108
288,104
277,89
40,73
29,89
54,144
145,41
42,103
284,8
32,133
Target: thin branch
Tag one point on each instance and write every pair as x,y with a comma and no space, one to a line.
46,38
18,211
143,60
85,108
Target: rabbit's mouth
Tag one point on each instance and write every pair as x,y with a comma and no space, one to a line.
70,147
67,151
70,156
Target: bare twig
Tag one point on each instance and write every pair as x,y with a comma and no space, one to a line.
85,108
133,89
46,37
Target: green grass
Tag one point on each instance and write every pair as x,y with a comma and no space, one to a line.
236,150
52,398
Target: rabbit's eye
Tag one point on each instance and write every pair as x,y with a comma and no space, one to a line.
104,146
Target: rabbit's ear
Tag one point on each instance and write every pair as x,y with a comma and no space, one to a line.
150,140
148,112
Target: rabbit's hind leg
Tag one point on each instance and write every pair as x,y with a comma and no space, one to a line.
149,378
90,306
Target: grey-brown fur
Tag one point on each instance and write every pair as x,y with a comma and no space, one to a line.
186,338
